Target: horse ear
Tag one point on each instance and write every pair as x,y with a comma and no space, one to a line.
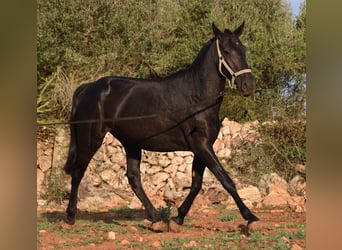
216,31
239,30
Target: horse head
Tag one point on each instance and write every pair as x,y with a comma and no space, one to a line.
232,59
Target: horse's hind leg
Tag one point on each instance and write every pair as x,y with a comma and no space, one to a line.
134,179
198,168
88,142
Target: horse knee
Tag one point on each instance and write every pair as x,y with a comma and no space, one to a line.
133,180
196,186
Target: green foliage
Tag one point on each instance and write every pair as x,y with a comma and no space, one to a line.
86,40
55,187
165,213
280,147
231,215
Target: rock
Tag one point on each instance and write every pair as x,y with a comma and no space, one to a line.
40,180
297,185
192,243
225,122
218,145
277,196
301,168
108,176
268,179
163,161
159,179
96,180
174,227
235,128
181,180
42,231
164,175
183,153
160,226
125,242
44,163
224,153
153,170
295,247
182,168
216,194
170,195
111,235
277,188
156,244
188,159
250,193
171,169
297,204
256,226
135,203
225,131
177,160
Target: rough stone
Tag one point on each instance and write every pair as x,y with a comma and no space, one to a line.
177,161
109,177
164,175
111,235
181,180
163,161
45,162
159,179
268,179
277,196
218,145
297,204
301,168
40,181
250,193
297,185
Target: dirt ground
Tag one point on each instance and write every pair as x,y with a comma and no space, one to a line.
205,227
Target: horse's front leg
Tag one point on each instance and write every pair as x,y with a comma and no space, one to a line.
207,155
134,179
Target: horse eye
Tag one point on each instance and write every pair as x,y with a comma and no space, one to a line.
226,51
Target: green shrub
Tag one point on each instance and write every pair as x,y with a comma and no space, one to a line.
89,39
279,148
55,187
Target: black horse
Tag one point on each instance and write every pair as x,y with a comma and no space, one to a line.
178,112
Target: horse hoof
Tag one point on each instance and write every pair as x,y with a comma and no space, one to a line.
69,220
160,226
254,226
174,227
64,225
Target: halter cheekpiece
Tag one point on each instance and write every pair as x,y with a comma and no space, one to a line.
230,70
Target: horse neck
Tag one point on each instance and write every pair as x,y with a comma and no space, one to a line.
208,81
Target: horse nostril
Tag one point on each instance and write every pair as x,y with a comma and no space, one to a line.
244,86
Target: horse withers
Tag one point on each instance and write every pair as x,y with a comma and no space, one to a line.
175,113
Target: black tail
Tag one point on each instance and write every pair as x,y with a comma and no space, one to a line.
72,154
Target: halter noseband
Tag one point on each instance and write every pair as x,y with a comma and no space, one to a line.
232,73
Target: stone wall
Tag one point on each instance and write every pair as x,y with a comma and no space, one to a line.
166,177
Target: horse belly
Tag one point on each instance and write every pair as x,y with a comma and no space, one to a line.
151,136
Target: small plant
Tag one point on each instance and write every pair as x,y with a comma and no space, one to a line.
55,191
165,213
231,215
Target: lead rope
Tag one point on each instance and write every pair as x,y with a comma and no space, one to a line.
231,72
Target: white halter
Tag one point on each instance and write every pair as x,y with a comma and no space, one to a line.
232,73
